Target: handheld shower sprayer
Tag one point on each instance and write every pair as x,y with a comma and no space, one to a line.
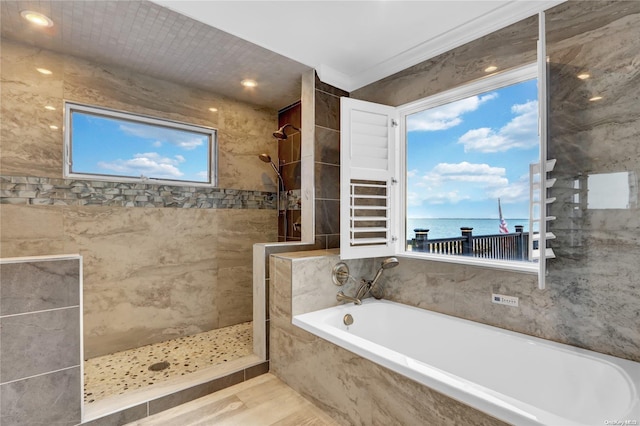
388,263
370,286
266,158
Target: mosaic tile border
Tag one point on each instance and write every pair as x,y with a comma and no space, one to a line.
73,192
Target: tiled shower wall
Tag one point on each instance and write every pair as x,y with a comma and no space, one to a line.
159,262
289,155
592,298
327,164
40,374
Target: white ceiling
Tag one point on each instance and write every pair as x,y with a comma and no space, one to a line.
354,43
213,45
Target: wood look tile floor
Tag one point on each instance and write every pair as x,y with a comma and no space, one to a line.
261,401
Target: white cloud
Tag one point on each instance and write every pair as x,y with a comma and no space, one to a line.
520,132
513,192
467,172
455,182
443,197
182,139
150,164
466,167
446,116
203,174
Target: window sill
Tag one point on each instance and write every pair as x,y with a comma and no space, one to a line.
522,267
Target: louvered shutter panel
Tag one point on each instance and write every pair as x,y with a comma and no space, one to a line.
368,181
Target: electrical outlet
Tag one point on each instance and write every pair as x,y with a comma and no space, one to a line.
504,300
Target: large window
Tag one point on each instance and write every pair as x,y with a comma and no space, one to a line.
456,177
114,145
468,154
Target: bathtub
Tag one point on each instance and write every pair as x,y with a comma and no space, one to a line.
516,378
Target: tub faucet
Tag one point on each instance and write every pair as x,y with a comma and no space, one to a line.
343,297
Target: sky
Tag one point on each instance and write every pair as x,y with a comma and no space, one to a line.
105,145
463,156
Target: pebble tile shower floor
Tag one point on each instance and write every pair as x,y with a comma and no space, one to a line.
124,371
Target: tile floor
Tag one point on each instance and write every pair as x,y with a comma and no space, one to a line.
262,401
118,373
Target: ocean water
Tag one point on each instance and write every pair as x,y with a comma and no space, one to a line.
447,228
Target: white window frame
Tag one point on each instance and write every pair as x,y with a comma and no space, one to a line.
396,172
487,84
71,107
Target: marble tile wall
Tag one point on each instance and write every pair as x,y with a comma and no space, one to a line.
356,391
40,355
326,166
592,298
164,272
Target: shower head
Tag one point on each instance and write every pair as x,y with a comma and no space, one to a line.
280,133
266,158
388,263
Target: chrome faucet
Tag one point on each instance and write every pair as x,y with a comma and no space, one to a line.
343,297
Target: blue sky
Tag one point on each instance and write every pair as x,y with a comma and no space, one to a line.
104,145
463,156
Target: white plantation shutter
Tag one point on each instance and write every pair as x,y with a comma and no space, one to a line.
368,180
538,199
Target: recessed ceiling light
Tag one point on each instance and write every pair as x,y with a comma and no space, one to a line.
595,98
52,127
37,18
212,109
584,76
44,71
50,108
249,83
490,68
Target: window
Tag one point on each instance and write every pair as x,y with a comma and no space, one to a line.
411,167
467,157
112,145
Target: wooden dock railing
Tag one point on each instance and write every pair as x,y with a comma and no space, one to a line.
511,246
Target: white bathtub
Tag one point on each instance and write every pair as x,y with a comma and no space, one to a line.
516,378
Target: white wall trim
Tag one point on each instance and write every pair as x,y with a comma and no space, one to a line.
504,16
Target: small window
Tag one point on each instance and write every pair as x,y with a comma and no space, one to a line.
104,144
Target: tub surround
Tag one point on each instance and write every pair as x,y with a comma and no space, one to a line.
301,282
40,355
357,390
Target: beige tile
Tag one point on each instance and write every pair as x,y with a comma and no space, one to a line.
31,231
29,147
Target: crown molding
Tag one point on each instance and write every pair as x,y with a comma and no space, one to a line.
503,16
